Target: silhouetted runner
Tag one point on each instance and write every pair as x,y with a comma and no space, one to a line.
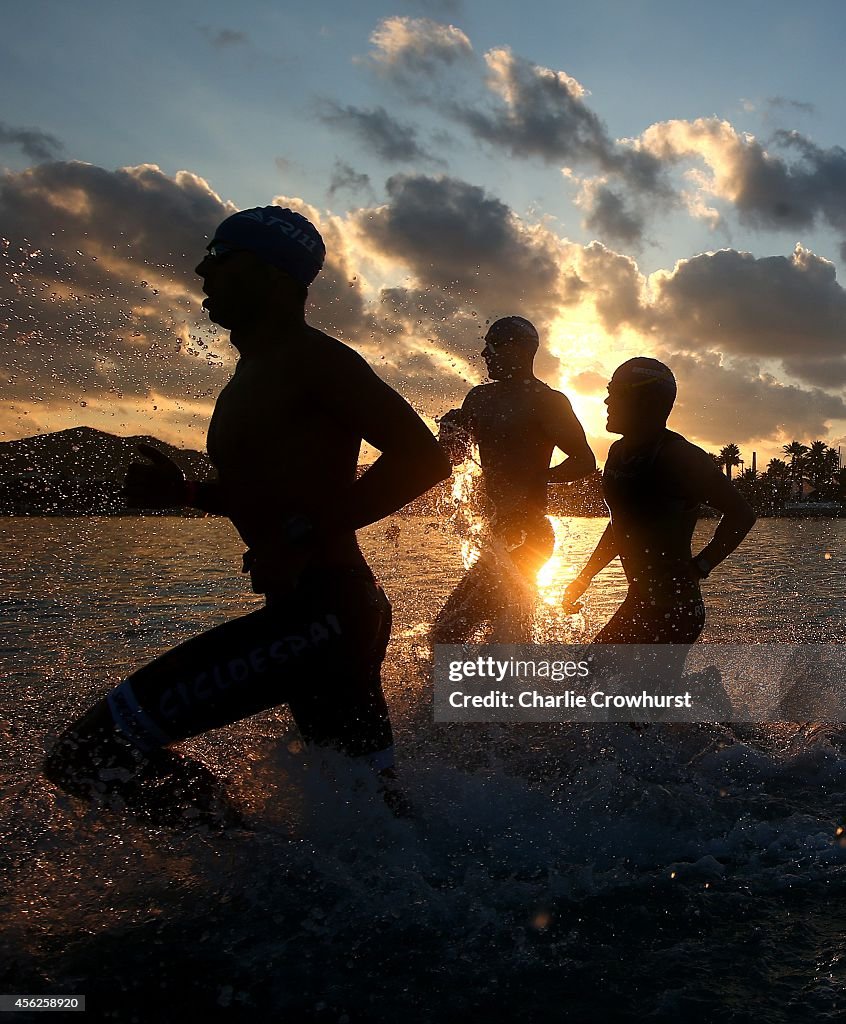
517,421
285,438
654,482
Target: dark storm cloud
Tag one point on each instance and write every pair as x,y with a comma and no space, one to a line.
35,144
776,307
377,131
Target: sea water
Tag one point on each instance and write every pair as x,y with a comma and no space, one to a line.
549,872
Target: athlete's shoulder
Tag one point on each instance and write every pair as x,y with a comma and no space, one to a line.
331,358
477,399
684,454
614,451
674,441
557,400
477,393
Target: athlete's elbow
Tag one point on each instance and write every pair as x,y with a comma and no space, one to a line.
580,464
743,520
586,462
432,464
439,466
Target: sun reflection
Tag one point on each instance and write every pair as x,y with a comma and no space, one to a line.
554,575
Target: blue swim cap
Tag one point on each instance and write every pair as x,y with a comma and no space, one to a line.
279,236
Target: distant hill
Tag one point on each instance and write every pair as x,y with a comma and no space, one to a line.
90,454
78,471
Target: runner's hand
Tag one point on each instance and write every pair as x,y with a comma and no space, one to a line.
453,435
572,604
158,483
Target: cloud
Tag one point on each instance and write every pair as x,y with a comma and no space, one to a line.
588,382
460,238
221,38
610,216
764,188
346,179
721,401
524,109
100,298
539,112
377,131
405,47
776,307
101,306
780,103
35,144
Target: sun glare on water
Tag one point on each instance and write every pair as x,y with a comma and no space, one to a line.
467,522
554,575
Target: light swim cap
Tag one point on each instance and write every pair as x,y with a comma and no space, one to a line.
279,236
643,372
513,328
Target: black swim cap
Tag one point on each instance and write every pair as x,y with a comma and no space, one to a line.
645,372
514,328
279,236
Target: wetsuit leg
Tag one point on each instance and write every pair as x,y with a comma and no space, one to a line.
318,649
471,603
637,621
657,668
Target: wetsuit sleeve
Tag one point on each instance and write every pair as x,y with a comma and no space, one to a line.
568,435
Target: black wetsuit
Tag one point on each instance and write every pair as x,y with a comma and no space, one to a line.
653,518
318,649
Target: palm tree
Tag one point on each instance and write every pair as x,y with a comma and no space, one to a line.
777,469
831,465
797,451
815,462
730,456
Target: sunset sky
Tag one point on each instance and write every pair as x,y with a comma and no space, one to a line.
653,178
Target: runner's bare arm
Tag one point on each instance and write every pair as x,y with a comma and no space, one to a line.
604,553
569,436
708,485
411,462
